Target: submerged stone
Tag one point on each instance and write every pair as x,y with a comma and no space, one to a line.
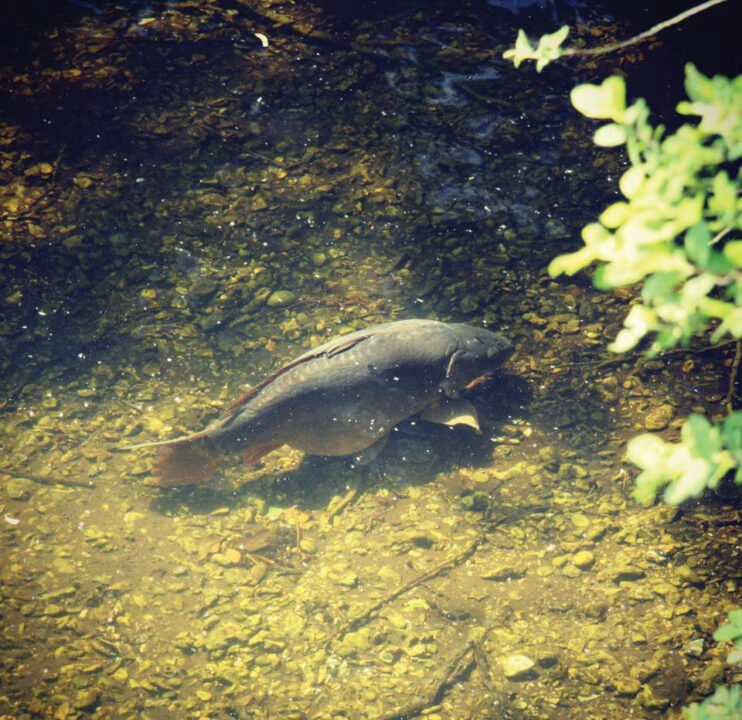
281,298
659,418
583,559
19,489
517,667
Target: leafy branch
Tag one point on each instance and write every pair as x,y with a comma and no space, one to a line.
550,48
726,702
679,231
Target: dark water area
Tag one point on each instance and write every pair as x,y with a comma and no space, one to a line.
193,194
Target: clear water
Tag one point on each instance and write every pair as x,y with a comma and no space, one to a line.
164,175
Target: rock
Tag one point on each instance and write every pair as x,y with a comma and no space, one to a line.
626,573
583,559
627,686
86,700
203,288
502,572
348,579
308,545
651,701
517,667
19,489
579,520
281,298
659,418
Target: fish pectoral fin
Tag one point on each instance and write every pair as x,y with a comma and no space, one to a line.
453,412
253,454
369,454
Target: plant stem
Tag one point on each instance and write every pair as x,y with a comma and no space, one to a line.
647,33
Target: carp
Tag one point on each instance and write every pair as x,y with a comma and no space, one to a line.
344,397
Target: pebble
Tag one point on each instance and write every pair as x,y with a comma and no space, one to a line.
86,700
517,667
659,418
18,489
627,686
583,559
281,298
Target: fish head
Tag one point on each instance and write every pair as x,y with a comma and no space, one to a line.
476,355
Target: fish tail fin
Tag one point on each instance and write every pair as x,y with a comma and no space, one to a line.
187,461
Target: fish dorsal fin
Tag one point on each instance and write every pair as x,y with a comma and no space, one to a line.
328,350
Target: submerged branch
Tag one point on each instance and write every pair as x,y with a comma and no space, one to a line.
452,671
445,565
90,485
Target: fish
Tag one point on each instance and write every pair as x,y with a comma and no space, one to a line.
344,397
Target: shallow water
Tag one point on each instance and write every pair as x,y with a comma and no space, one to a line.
183,211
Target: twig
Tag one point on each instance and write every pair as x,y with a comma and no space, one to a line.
482,665
297,528
58,161
440,567
342,504
720,235
11,395
255,559
49,481
251,153
626,357
130,404
646,34
729,399
453,670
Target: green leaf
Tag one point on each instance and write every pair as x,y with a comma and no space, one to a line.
610,135
548,50
697,243
697,85
733,252
646,450
605,101
595,234
549,47
662,285
724,704
732,429
719,264
731,630
571,263
555,39
522,50
731,324
647,485
615,215
690,484
631,181
723,201
697,432
689,211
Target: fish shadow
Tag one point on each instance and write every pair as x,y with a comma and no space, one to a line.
418,450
